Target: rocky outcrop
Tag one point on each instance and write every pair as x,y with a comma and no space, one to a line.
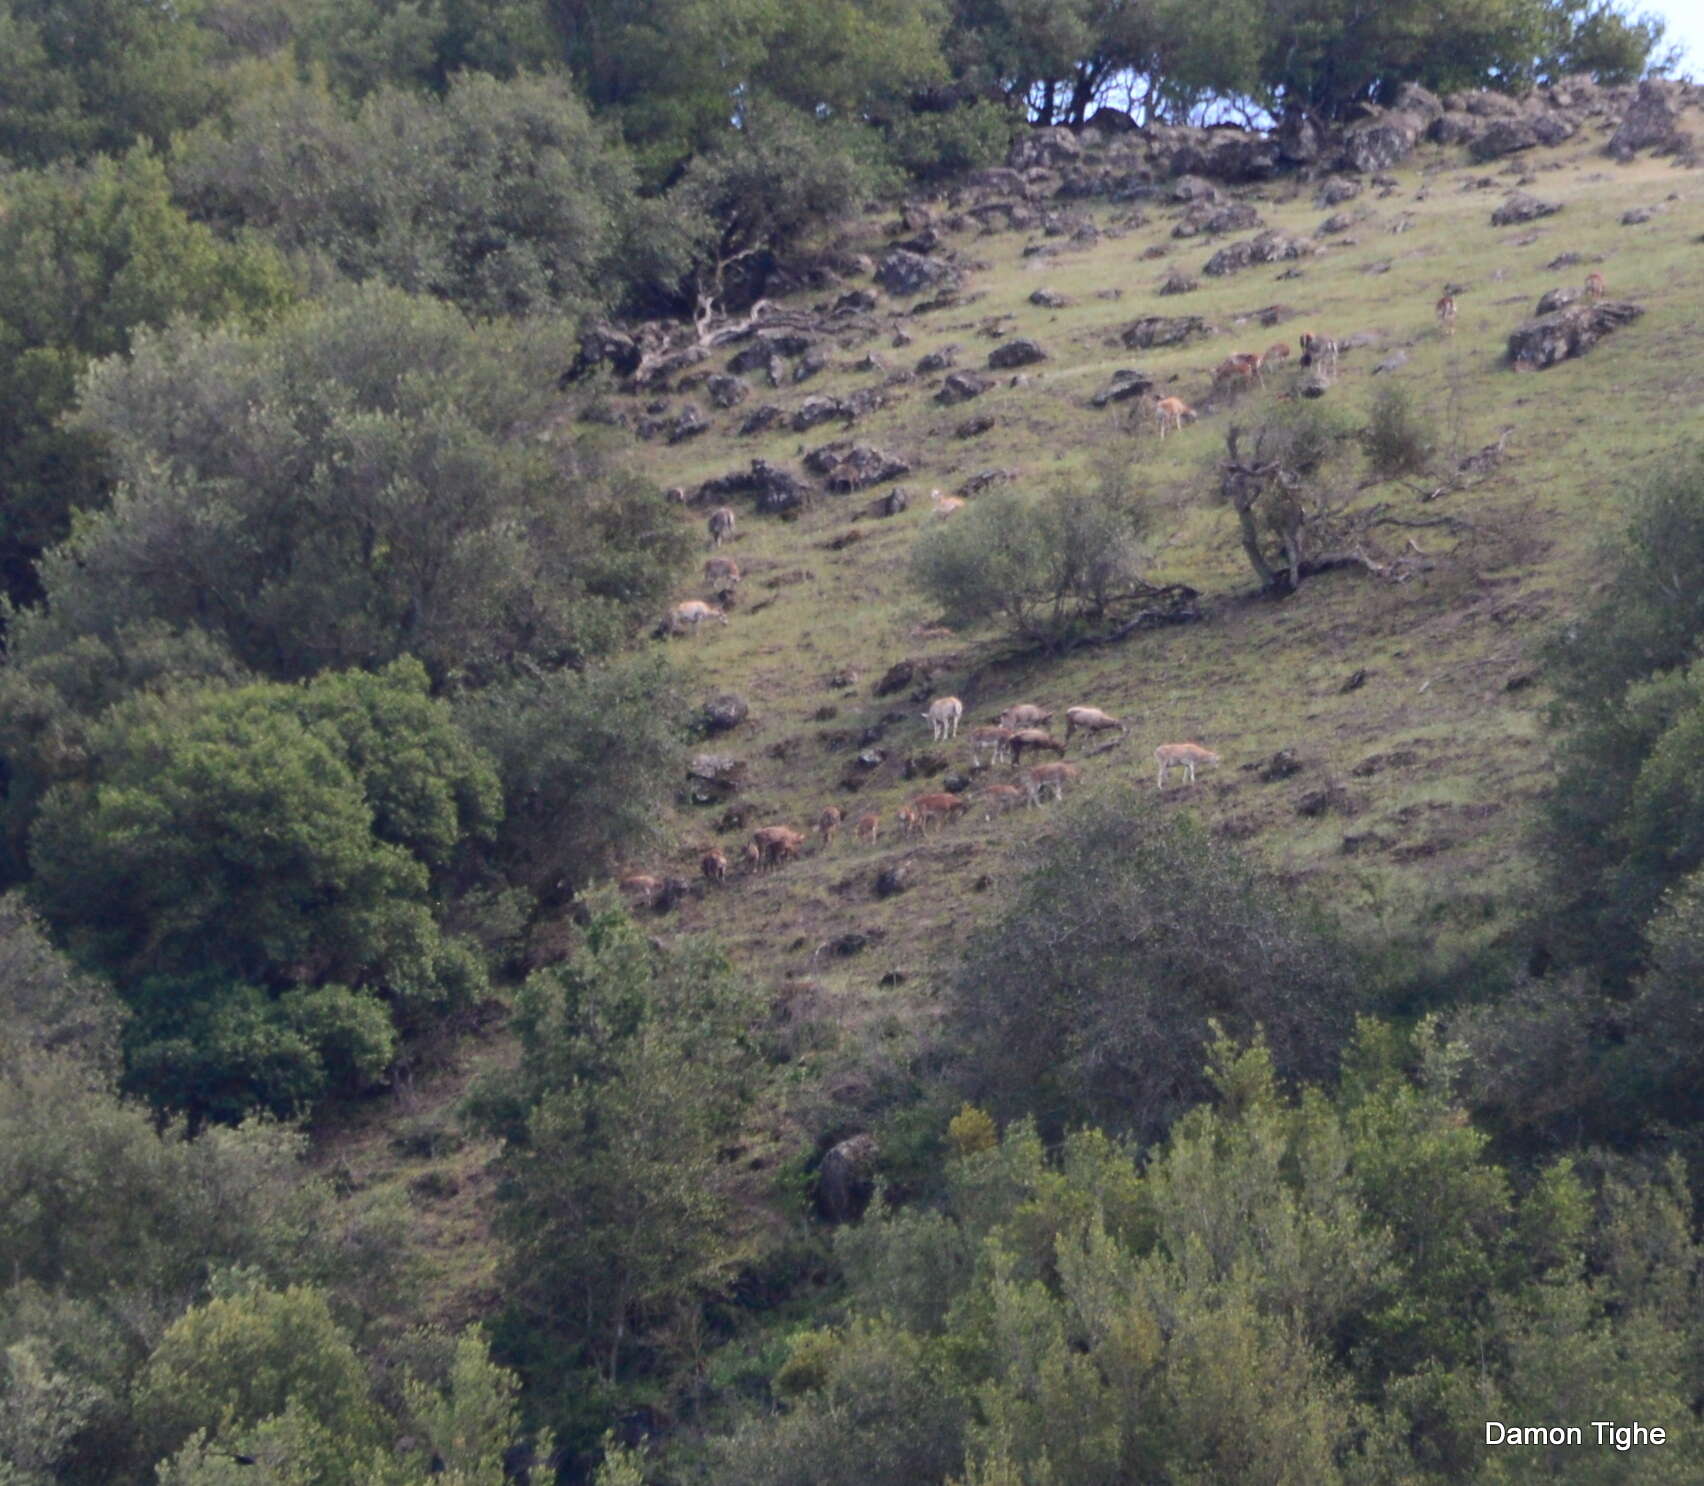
1650,122
1013,353
1125,384
1573,331
1162,330
1215,219
847,467
1269,247
726,392
1520,207
961,387
904,274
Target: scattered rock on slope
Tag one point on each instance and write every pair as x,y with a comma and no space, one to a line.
1573,331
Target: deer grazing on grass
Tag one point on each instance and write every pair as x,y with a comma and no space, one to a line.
692,615
777,844
828,823
999,797
714,865
1276,354
1049,777
1172,413
1184,756
1446,312
993,740
1024,715
926,808
721,525
1241,366
1032,739
721,572
641,888
1595,286
868,828
944,504
1091,720
943,715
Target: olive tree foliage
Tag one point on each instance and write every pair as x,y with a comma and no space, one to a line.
1286,1287
365,481
1050,569
502,196
615,1208
86,76
258,870
1090,997
586,759
88,255
1620,827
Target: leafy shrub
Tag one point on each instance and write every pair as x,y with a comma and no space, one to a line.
936,146
1398,438
1047,567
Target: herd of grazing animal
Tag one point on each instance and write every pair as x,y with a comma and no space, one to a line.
1021,728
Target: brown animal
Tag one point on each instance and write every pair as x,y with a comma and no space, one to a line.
1242,366
1091,720
641,888
926,808
777,844
1278,352
945,504
721,572
1172,413
991,739
868,827
752,856
998,797
1024,715
721,525
1595,286
1184,756
714,865
1045,777
828,823
907,818
1033,738
1446,311
691,616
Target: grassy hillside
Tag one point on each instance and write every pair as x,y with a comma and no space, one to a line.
1416,785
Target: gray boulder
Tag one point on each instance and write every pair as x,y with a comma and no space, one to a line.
1162,330
1520,207
1573,331
1649,122
1125,384
960,387
1269,247
1020,352
904,274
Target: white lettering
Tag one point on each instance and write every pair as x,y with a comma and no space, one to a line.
1491,1424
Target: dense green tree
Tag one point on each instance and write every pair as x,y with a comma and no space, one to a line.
1621,825
366,481
422,43
503,197
89,255
615,1209
1089,998
1606,39
586,759
82,76
255,866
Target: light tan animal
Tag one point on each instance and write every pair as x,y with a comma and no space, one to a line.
1320,351
691,615
1446,312
944,504
907,818
1595,286
992,740
1172,413
721,525
943,715
1277,353
828,823
999,797
714,865
1026,739
777,844
1091,720
1024,715
752,856
1045,777
1184,756
936,807
868,828
721,572
641,888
